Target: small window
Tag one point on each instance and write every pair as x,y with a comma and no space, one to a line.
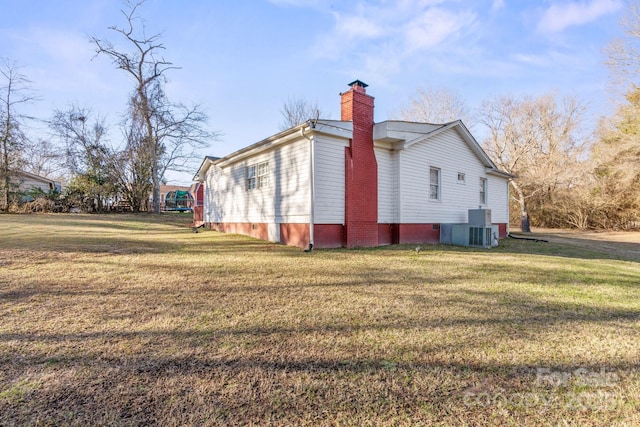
263,174
251,177
434,184
483,191
461,178
258,176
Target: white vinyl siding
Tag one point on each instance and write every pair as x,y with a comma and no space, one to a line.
26,184
448,152
281,194
498,198
329,179
387,185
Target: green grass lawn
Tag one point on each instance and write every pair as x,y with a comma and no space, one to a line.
129,320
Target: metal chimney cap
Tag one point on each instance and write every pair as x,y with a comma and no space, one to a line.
358,83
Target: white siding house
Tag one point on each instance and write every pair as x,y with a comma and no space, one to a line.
352,182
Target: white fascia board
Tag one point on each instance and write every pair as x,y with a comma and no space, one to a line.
337,128
204,167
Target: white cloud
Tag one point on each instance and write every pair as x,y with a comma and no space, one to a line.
435,26
357,27
532,59
402,27
561,16
376,39
64,46
497,5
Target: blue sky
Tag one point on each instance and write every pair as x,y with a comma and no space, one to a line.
241,60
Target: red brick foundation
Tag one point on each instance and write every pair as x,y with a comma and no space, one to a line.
502,230
419,233
257,230
295,235
328,236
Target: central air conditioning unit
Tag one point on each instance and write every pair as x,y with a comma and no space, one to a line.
480,217
478,232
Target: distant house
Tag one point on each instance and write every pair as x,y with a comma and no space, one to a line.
25,182
353,182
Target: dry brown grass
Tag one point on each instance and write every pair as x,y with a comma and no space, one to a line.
129,320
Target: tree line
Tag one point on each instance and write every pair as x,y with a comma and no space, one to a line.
158,134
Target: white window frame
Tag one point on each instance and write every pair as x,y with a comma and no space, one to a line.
462,178
251,177
257,176
484,187
263,175
437,185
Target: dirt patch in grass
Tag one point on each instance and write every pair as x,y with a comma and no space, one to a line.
624,244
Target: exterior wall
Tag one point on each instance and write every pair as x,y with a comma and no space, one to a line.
387,186
329,180
503,230
418,233
498,199
285,200
328,236
259,231
295,235
448,152
388,234
26,183
278,212
198,208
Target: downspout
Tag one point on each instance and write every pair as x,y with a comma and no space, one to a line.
312,186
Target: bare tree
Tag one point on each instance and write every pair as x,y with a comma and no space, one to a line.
15,90
171,132
537,140
87,153
434,105
616,158
132,167
624,52
44,158
617,153
296,111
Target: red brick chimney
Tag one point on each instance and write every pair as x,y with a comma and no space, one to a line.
361,169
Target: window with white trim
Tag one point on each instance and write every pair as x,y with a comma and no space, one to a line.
483,191
461,178
434,183
258,176
251,177
263,174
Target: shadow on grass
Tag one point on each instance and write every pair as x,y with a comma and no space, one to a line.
501,309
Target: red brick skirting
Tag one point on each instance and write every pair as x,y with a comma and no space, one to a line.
334,235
